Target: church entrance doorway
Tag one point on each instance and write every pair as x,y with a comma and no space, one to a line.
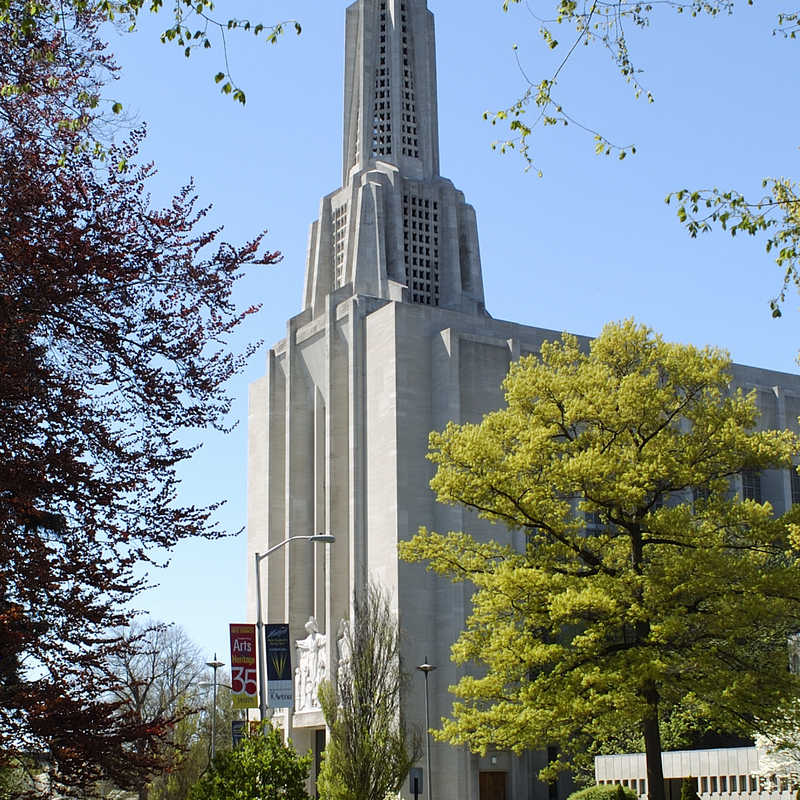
492,785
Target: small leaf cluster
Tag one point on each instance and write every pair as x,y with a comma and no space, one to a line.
603,23
788,25
776,214
194,25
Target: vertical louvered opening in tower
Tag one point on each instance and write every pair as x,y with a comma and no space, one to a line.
338,235
410,138
382,113
357,155
421,246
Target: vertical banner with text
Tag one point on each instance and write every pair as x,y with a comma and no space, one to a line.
243,666
279,667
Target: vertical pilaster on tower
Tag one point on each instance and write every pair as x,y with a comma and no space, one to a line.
396,230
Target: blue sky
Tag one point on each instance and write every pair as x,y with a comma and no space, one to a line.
590,242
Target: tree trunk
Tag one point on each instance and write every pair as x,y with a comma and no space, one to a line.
650,731
652,746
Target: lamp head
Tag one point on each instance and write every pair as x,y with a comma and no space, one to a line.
215,665
426,667
323,538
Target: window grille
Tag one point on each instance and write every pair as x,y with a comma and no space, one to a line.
593,521
795,479
421,246
751,485
700,493
382,113
410,138
339,234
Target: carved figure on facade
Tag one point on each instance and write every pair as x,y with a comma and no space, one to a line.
312,657
343,646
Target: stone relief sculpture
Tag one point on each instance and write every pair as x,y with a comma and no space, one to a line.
343,645
312,657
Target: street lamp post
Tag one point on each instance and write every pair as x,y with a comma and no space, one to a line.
215,665
323,538
427,668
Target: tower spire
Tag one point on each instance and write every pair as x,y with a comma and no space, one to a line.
390,106
396,230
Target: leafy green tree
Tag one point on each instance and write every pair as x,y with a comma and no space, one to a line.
575,25
689,789
190,758
17,778
606,792
191,739
261,768
679,595
114,318
369,751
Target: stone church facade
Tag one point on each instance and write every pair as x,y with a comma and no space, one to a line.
393,341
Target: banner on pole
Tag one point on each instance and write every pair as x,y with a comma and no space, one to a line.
243,666
279,667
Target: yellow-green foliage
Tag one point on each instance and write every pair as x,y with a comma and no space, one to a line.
608,792
680,601
262,767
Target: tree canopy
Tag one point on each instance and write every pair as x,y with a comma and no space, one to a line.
262,767
193,25
370,751
646,585
114,318
155,676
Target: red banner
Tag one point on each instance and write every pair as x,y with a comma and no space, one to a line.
243,666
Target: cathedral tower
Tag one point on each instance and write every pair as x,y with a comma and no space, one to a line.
393,341
396,230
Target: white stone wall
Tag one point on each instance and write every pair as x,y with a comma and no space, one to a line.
722,774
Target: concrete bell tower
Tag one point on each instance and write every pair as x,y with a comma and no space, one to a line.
393,341
395,230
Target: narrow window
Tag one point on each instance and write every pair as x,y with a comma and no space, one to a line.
751,485
593,521
795,486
